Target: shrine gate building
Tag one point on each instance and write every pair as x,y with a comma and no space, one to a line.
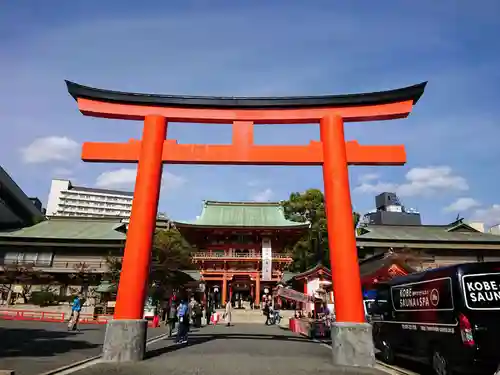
241,247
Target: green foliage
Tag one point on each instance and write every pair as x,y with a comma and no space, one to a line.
356,216
309,206
170,253
43,298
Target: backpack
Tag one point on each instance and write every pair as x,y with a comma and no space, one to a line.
183,310
197,309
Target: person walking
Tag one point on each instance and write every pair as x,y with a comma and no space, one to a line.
183,318
172,317
267,311
229,311
76,308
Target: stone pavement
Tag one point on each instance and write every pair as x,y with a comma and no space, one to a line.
32,348
403,365
241,349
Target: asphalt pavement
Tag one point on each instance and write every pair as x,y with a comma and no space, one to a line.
242,349
32,348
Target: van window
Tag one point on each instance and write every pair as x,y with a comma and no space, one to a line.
381,304
482,291
434,294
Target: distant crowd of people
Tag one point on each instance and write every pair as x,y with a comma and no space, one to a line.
184,315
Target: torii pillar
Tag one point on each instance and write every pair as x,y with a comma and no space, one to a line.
351,336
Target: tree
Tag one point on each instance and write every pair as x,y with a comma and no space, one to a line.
309,206
23,275
170,253
84,276
355,216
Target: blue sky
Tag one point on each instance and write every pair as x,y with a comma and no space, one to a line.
259,48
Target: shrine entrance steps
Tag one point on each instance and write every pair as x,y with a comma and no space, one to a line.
253,316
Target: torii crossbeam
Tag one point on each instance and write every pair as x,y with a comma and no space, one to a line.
332,152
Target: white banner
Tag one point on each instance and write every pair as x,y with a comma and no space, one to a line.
267,260
293,295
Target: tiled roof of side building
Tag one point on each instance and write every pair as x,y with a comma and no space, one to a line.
70,229
242,214
428,233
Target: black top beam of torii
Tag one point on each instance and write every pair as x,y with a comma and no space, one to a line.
410,93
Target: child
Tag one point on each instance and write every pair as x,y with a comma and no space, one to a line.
214,318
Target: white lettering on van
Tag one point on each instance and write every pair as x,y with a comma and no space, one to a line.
484,291
479,286
484,296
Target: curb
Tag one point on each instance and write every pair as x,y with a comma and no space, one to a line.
381,366
75,366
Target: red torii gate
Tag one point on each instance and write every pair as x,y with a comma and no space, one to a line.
332,152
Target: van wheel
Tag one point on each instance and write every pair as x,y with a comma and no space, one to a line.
440,364
387,353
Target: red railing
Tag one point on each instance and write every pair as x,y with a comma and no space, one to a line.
218,255
53,316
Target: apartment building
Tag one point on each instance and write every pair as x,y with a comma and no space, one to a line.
66,199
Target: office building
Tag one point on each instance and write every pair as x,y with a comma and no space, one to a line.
390,211
65,199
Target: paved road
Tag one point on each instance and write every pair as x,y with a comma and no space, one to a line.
32,348
243,349
403,364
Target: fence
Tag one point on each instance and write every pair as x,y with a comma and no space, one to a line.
311,329
53,316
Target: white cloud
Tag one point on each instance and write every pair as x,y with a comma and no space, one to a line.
462,204
419,182
52,148
171,181
62,172
375,188
124,178
490,215
254,183
368,177
120,178
263,196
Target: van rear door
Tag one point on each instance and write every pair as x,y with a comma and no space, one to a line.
481,293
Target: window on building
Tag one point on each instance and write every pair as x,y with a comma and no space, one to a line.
29,258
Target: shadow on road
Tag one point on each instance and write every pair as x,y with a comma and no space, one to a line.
201,339
15,342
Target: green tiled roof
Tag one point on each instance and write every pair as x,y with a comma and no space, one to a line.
288,276
106,287
70,229
242,214
428,233
195,275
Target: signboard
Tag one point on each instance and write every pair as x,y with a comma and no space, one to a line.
482,291
267,260
429,295
293,295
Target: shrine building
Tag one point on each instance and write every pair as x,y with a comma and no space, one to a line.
240,247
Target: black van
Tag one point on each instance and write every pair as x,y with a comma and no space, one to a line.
448,317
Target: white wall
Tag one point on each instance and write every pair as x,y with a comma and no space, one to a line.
56,187
477,226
